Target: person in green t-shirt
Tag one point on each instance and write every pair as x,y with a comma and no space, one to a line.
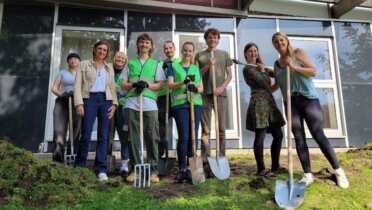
222,66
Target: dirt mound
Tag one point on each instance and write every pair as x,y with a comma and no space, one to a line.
367,147
324,175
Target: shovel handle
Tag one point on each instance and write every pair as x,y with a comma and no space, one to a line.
192,121
215,105
70,125
289,125
141,126
166,122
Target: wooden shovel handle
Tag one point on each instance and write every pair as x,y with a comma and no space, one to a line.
289,123
70,125
215,104
192,122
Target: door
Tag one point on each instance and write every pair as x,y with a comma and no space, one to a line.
80,40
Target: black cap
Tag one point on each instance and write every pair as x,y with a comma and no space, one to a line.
73,55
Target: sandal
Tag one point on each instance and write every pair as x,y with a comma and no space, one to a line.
266,173
280,170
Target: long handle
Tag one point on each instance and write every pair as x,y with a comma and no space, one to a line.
111,135
192,121
141,126
71,128
268,68
166,123
215,111
289,127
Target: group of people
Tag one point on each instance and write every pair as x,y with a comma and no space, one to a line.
103,91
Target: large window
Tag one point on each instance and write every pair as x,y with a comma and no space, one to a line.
321,54
226,43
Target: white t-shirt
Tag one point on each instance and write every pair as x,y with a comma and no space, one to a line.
148,104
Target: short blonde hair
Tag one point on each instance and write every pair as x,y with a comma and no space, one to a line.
122,54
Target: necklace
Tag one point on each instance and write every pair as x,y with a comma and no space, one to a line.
99,73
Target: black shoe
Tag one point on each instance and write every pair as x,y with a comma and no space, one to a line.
180,176
188,176
124,174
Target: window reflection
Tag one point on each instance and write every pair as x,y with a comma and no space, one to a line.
319,54
195,23
159,26
306,27
327,103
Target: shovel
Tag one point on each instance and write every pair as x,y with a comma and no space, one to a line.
166,164
195,163
219,165
288,194
111,159
70,159
142,171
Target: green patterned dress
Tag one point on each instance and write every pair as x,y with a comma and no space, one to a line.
262,110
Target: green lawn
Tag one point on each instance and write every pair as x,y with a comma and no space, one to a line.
29,183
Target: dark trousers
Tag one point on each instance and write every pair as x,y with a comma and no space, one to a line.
164,143
276,146
60,123
122,132
94,107
183,121
310,111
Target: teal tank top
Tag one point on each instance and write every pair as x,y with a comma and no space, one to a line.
299,83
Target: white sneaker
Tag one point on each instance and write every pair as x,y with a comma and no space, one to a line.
124,165
102,177
341,178
308,178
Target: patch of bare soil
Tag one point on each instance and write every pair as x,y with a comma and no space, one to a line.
257,183
172,190
324,175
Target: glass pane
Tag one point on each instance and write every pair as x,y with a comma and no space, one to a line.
159,26
306,27
354,47
25,53
91,17
195,23
327,103
82,41
200,45
319,54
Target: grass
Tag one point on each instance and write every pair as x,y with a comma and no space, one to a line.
29,183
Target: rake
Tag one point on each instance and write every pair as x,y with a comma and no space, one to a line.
142,171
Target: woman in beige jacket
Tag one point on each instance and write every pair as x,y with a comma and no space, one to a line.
95,97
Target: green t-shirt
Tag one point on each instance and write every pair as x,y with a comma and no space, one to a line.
223,60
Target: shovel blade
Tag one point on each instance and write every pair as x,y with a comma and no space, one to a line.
289,196
220,167
197,171
111,159
165,166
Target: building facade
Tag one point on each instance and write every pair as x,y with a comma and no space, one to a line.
37,36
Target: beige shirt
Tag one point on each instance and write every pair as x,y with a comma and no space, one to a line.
85,77
223,60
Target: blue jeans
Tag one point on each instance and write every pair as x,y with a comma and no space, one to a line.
183,121
95,106
309,110
122,132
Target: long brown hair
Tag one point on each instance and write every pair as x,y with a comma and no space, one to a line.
290,49
249,45
145,36
102,42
